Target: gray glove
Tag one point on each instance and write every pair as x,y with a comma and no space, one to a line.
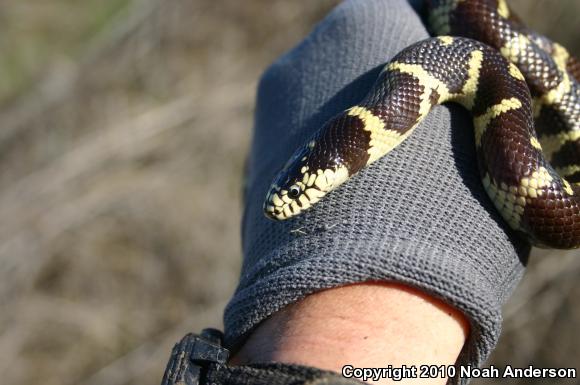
418,216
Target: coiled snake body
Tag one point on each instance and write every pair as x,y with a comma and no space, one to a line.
524,81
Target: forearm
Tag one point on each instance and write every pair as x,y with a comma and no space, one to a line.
371,324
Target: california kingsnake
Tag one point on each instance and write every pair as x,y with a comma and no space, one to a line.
525,80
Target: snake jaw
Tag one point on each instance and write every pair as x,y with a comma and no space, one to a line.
279,206
273,204
284,203
285,196
299,194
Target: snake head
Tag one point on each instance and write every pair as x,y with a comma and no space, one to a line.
308,176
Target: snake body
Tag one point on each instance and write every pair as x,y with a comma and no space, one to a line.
512,80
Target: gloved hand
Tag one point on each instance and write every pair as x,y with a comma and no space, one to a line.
418,216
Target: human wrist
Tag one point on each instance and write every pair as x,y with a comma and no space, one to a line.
372,324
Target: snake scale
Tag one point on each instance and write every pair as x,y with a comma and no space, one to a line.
514,82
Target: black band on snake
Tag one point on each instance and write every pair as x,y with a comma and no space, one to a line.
524,81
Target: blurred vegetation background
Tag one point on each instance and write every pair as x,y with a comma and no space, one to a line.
124,125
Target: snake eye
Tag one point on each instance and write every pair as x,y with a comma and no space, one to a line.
294,191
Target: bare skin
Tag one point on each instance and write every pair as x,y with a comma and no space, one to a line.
372,324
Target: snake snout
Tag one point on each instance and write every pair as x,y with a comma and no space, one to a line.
303,181
271,210
284,202
299,194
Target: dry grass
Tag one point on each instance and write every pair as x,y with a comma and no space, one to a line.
124,130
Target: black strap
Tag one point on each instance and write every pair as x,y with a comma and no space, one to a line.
201,360
274,374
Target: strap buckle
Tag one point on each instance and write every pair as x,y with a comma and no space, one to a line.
191,357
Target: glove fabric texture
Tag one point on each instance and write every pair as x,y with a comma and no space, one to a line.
418,216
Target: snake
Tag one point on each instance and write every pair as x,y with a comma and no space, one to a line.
523,93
